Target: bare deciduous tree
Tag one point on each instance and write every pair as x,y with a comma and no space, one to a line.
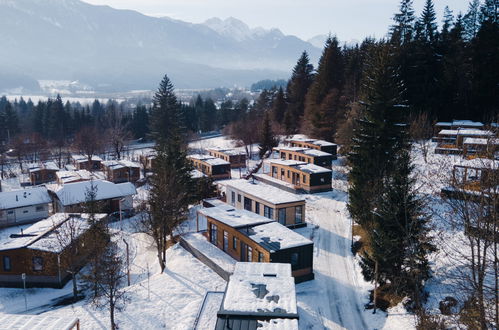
89,142
421,131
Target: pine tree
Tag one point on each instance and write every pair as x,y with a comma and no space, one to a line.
297,89
279,107
171,181
472,20
403,30
268,140
428,23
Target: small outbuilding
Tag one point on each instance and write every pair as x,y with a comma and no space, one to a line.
23,206
216,168
118,171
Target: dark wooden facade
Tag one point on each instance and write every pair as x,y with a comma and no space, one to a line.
213,167
235,158
300,179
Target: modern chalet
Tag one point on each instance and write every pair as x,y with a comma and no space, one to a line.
296,176
236,158
42,173
63,177
81,162
311,156
326,146
266,200
23,206
118,171
38,252
213,167
259,296
247,236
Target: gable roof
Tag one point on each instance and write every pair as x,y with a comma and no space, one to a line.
75,193
25,197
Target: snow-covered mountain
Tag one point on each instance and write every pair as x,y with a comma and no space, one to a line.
122,49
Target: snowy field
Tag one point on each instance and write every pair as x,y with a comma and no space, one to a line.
334,300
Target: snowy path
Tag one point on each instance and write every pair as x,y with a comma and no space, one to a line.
333,298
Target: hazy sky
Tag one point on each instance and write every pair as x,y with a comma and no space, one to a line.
348,19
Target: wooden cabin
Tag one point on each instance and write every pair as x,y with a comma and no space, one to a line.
82,163
215,168
472,133
298,175
311,156
235,157
42,173
37,252
110,197
480,147
257,296
321,145
247,236
23,206
266,200
63,177
147,161
118,171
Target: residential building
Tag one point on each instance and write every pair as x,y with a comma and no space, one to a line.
111,197
259,296
81,162
213,167
118,171
247,236
266,200
329,147
40,254
23,206
43,172
63,177
480,147
236,158
311,156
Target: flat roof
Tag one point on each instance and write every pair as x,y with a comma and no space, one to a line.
75,193
28,322
275,237
41,235
79,175
82,158
264,191
448,132
286,162
228,151
115,164
233,217
312,168
260,292
50,165
305,151
474,131
321,143
24,197
482,141
209,159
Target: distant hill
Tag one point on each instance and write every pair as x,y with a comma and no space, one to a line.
117,50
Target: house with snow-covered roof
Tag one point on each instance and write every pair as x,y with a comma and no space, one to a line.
42,172
81,162
214,167
111,197
118,171
23,206
264,199
308,155
236,158
247,236
41,254
322,145
259,296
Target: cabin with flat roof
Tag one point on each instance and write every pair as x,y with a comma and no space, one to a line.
236,158
81,162
481,147
311,156
299,176
259,296
43,172
24,206
118,171
42,321
63,177
266,200
38,252
216,168
247,236
110,197
326,146
147,161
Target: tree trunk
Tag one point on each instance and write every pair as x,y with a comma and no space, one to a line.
111,315
375,292
75,287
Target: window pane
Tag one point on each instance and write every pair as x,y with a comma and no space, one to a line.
37,263
299,214
6,264
282,216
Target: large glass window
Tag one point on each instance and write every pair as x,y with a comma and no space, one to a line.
248,203
250,254
260,257
268,212
7,265
257,208
239,198
282,216
214,233
37,264
295,258
234,242
226,241
233,198
299,214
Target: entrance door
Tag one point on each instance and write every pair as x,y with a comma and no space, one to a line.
243,251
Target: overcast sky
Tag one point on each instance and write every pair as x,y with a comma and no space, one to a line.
348,19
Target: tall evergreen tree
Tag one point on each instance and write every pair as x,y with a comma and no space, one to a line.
428,23
403,30
268,140
279,106
296,91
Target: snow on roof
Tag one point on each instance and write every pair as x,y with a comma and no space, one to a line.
474,131
286,162
25,197
75,193
274,236
305,151
72,176
466,123
443,123
230,152
482,141
316,142
278,324
480,163
129,163
262,268
28,322
209,159
45,166
195,174
41,236
268,177
312,168
260,293
494,125
116,164
323,143
264,191
210,251
82,158
448,132
232,217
